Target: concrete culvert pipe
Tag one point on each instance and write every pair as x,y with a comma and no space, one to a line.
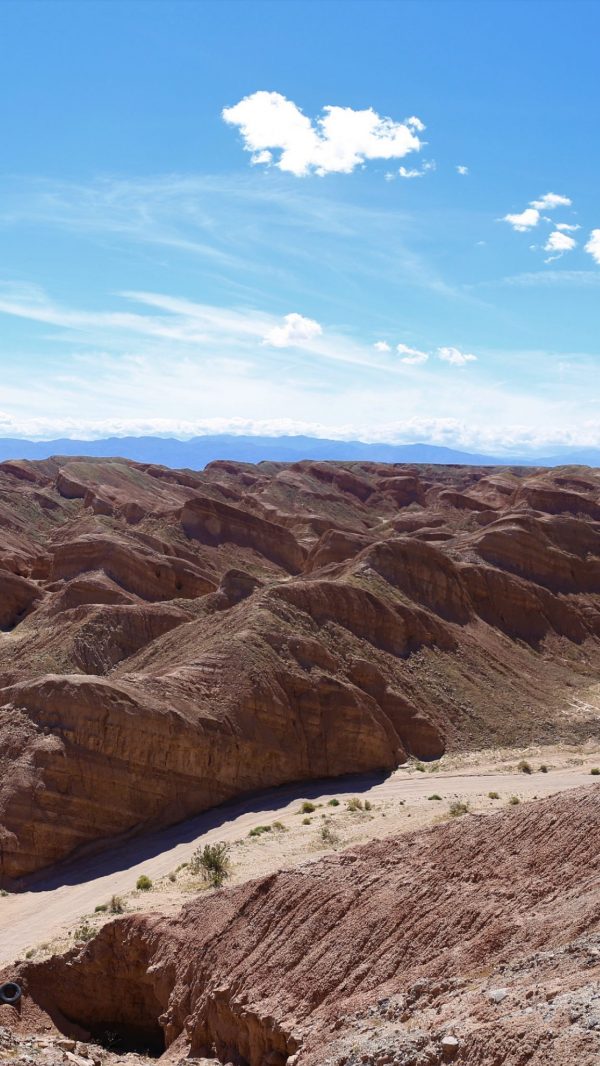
10,993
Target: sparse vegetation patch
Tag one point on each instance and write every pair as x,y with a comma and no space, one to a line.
328,836
213,862
84,932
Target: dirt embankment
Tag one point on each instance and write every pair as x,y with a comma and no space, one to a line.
477,941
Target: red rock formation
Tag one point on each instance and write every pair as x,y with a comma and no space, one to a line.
171,639
486,928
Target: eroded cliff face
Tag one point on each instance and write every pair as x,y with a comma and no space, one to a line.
487,929
170,639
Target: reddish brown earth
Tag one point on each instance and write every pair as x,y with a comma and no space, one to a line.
170,640
485,930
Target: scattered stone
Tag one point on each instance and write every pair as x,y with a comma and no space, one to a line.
450,1045
497,994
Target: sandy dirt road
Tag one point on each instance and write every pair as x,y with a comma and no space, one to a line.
57,901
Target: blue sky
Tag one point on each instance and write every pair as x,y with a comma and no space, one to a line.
250,217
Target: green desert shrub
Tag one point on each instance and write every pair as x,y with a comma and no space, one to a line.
355,804
333,802
143,883
434,797
307,807
328,836
458,808
494,795
84,932
514,800
524,767
213,863
116,905
259,830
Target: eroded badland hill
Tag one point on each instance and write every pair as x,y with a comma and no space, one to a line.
170,640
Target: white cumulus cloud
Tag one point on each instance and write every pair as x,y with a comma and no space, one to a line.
551,200
523,221
593,245
455,357
412,356
462,170
530,217
566,227
337,142
408,172
382,346
559,242
296,331
413,172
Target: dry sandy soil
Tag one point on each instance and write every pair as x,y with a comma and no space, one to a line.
38,923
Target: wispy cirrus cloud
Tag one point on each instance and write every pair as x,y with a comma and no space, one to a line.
455,357
205,220
411,356
277,133
167,364
549,278
201,330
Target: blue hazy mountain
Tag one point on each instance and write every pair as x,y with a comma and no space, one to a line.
199,451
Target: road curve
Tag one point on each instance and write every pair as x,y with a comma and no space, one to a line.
59,899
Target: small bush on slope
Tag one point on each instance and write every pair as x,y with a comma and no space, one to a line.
213,862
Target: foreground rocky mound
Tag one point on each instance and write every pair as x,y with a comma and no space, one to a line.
170,639
477,942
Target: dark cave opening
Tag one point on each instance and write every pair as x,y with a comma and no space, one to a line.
122,1039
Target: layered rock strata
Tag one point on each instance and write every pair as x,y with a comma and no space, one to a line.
170,640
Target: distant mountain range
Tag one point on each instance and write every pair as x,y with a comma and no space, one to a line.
199,451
